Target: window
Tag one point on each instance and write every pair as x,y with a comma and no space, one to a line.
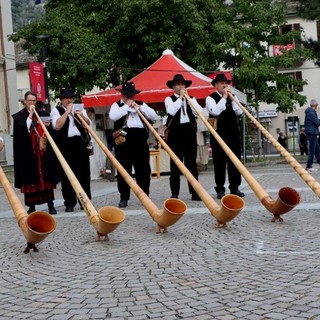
296,76
289,28
278,49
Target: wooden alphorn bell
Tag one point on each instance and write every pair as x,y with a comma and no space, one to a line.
106,219
36,226
231,204
174,209
302,172
288,197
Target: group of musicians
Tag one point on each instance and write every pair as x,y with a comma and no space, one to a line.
72,140
182,137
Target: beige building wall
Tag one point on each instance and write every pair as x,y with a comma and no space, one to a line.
8,80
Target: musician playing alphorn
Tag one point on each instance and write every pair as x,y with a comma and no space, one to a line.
182,137
134,152
35,168
226,112
72,140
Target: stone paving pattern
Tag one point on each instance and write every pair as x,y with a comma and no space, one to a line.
253,269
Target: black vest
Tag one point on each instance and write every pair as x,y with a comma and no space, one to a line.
62,134
120,122
228,126
176,118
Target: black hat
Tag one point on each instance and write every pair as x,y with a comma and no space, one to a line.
220,77
128,89
178,78
66,92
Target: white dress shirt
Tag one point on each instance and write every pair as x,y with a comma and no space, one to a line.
173,107
73,130
215,109
133,120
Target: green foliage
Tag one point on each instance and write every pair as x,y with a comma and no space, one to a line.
101,43
24,12
310,10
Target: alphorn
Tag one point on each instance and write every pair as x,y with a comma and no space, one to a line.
231,204
303,173
287,199
36,226
107,218
174,209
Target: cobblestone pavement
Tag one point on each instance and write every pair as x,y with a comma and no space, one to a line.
253,269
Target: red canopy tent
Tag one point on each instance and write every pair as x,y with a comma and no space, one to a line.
152,83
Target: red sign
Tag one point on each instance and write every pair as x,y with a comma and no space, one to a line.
37,80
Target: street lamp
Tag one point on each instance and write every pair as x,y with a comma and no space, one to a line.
44,56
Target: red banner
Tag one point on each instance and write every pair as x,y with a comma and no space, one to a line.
37,80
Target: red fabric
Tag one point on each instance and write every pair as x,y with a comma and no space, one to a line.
42,184
152,83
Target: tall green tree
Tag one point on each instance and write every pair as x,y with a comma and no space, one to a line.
310,10
103,43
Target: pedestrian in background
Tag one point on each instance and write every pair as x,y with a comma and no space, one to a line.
311,124
226,112
182,138
303,142
282,139
134,152
34,171
72,140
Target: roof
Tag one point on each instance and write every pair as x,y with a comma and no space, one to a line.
152,82
22,57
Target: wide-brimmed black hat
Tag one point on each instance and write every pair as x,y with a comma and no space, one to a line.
67,92
178,78
129,89
220,77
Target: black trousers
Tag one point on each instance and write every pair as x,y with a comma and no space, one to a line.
222,162
304,149
134,153
183,142
77,158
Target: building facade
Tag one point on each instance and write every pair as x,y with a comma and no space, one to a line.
8,81
291,123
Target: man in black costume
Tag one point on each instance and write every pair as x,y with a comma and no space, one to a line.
72,139
35,170
134,152
226,112
182,137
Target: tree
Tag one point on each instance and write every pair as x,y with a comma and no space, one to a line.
24,12
256,31
106,42
310,10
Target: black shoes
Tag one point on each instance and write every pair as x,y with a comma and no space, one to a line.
123,204
195,197
174,196
238,193
69,209
220,194
52,210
